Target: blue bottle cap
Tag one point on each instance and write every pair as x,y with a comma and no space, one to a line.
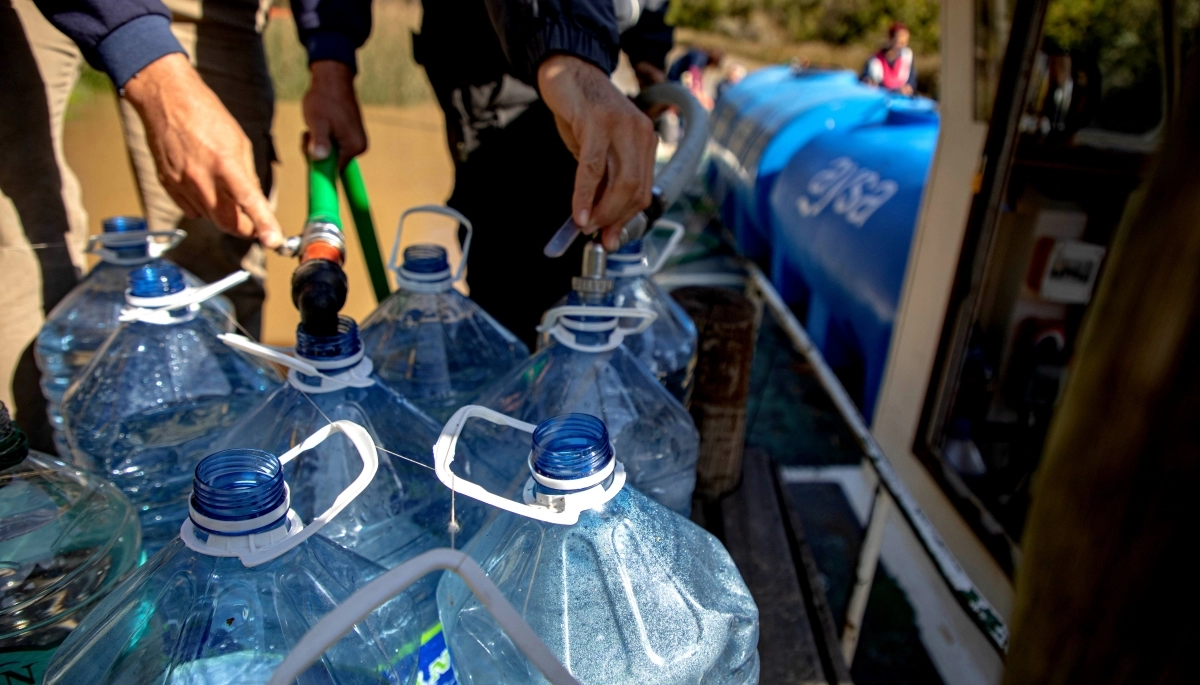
124,224
156,279
571,446
343,345
425,259
239,485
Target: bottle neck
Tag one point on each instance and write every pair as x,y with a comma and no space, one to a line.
593,299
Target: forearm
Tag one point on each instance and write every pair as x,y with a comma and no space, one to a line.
119,37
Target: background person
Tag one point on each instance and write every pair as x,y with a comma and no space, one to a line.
892,67
197,165
525,91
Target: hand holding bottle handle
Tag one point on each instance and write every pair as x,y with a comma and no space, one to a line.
374,594
552,324
103,243
260,555
443,211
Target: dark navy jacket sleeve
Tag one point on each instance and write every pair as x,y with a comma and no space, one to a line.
119,37
532,30
333,29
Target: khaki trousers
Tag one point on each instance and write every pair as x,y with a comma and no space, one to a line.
43,224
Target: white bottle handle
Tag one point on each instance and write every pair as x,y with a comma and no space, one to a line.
374,594
255,555
241,342
632,265
443,211
568,509
158,309
101,245
552,324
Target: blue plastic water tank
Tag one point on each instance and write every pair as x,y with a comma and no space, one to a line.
761,123
843,213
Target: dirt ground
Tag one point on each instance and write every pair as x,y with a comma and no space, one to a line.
407,164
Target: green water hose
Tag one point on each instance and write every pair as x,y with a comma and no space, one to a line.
323,207
360,209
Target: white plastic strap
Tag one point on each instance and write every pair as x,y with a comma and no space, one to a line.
635,264
429,282
563,330
257,549
357,376
358,606
158,309
104,243
565,510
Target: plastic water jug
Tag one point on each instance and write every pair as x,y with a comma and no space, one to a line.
620,588
586,368
241,583
66,538
84,319
405,510
430,343
158,394
668,346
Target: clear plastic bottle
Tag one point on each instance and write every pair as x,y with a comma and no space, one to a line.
229,597
156,397
587,368
620,588
405,510
430,343
84,319
66,539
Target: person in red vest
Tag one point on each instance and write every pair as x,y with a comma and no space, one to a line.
892,67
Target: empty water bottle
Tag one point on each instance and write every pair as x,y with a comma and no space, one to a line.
66,538
668,346
244,580
430,343
158,394
586,368
620,588
84,319
405,510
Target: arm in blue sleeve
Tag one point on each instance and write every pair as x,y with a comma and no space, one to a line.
333,29
650,39
532,30
119,37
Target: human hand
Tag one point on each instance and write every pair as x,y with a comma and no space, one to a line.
204,159
612,139
331,112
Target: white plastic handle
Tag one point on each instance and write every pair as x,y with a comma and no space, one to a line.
374,594
158,309
569,509
101,244
440,210
254,556
552,323
241,342
637,269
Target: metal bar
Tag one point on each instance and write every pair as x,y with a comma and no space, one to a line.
864,575
973,602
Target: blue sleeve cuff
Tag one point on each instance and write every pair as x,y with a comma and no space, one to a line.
331,45
132,46
561,38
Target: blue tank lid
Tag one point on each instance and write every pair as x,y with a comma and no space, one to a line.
425,259
124,224
345,343
570,446
239,485
156,279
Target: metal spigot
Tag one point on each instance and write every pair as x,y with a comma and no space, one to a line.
592,277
